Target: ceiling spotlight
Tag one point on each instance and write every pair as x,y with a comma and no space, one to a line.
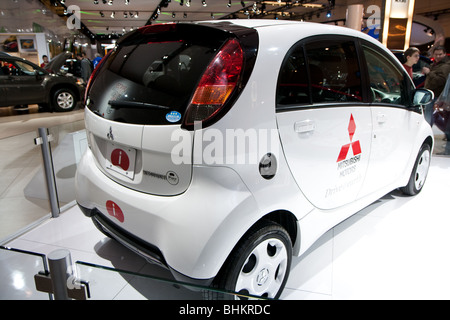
188,3
181,2
127,2
173,14
113,14
110,2
125,15
102,14
229,4
95,1
204,3
328,14
242,4
136,15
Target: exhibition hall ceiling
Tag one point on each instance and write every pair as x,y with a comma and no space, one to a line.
100,19
104,17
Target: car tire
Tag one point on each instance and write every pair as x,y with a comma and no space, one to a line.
64,99
259,265
419,173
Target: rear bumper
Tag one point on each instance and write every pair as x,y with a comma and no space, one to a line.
191,234
149,252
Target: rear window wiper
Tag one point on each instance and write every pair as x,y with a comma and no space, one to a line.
134,104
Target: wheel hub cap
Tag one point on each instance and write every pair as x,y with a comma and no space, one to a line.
262,277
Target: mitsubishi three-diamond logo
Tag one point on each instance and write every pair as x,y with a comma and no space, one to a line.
354,145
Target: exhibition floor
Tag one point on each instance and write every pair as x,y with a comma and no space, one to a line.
397,248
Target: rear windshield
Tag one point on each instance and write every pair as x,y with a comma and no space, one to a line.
150,77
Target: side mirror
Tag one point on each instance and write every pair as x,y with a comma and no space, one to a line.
422,97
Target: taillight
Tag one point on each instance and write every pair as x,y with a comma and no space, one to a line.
216,85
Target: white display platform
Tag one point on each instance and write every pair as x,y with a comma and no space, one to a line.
397,248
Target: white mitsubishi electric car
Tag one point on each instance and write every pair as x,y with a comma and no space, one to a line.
221,149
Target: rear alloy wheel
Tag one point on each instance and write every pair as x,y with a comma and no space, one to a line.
419,173
64,100
260,264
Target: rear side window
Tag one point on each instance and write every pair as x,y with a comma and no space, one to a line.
150,77
293,84
320,72
334,72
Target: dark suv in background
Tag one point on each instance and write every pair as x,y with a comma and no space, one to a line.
23,82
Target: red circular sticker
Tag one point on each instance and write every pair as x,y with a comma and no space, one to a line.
120,158
114,210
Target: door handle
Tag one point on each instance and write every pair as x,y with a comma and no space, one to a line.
304,126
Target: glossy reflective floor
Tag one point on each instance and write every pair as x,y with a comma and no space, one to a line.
397,248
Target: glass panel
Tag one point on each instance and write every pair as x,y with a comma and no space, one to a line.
68,145
23,195
106,283
17,274
386,81
23,187
151,74
293,81
334,71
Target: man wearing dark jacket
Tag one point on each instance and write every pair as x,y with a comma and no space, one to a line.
436,78
85,66
438,72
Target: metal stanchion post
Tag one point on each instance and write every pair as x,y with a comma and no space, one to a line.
44,141
60,264
61,281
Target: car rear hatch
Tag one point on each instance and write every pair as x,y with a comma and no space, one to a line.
146,95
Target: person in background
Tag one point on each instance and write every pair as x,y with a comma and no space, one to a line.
45,61
412,56
438,72
77,65
97,59
436,78
85,65
87,59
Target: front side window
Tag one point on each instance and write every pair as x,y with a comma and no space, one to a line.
387,83
25,68
17,68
